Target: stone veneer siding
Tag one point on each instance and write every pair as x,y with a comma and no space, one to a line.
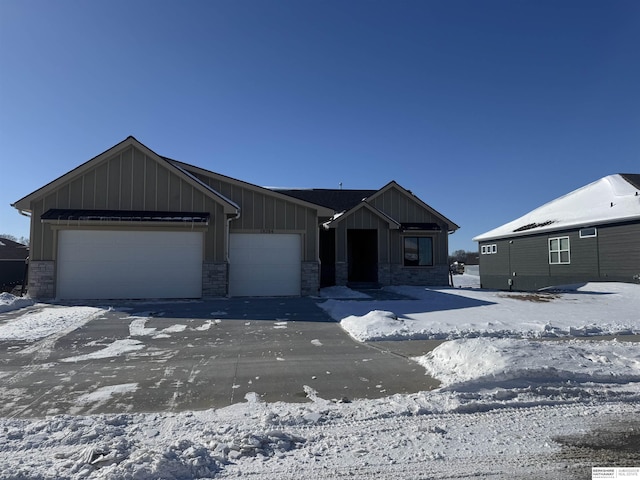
342,273
214,279
384,274
433,276
310,279
42,279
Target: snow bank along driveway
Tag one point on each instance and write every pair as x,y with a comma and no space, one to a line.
448,313
507,408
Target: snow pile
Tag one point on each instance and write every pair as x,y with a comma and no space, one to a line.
499,413
368,326
450,313
103,447
49,321
440,434
10,302
486,362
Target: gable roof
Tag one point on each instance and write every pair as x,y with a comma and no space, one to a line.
338,200
452,226
611,199
10,250
25,202
363,204
190,169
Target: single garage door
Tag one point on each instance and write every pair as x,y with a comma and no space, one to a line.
264,265
129,264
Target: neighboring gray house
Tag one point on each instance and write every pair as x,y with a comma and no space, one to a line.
13,258
590,234
130,223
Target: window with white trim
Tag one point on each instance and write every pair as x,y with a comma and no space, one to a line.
559,251
588,232
489,249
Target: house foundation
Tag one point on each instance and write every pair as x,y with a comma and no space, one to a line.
310,279
214,279
42,279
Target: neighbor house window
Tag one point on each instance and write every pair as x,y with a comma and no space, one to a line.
588,232
418,251
489,249
559,250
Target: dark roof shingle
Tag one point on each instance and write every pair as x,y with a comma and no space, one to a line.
337,199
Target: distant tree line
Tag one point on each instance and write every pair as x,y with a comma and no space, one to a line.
13,238
462,256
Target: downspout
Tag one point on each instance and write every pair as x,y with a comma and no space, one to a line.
319,259
25,276
228,235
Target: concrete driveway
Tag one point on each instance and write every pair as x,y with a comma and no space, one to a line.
173,356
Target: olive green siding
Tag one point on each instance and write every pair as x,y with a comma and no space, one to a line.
522,263
404,209
128,180
363,219
263,212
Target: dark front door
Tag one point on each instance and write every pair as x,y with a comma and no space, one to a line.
362,250
327,257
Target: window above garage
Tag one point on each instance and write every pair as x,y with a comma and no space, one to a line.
120,216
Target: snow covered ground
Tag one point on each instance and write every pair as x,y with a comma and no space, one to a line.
449,313
508,407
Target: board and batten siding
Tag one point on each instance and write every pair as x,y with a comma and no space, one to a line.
128,180
404,209
264,212
363,219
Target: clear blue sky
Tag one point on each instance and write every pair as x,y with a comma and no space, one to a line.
484,109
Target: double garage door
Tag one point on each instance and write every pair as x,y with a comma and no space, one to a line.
129,264
111,264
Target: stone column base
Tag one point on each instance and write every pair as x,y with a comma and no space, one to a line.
310,279
42,279
214,279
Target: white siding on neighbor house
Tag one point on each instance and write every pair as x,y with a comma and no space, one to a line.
105,264
262,265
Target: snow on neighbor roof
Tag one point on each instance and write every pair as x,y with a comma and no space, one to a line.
614,198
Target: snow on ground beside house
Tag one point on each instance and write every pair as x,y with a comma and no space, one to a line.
10,302
498,361
42,323
449,313
478,425
503,411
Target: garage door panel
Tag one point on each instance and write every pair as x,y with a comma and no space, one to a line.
129,264
264,264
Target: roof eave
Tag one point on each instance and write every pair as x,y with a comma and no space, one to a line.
364,204
451,226
322,211
557,228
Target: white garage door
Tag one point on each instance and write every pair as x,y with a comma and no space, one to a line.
129,264
264,265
